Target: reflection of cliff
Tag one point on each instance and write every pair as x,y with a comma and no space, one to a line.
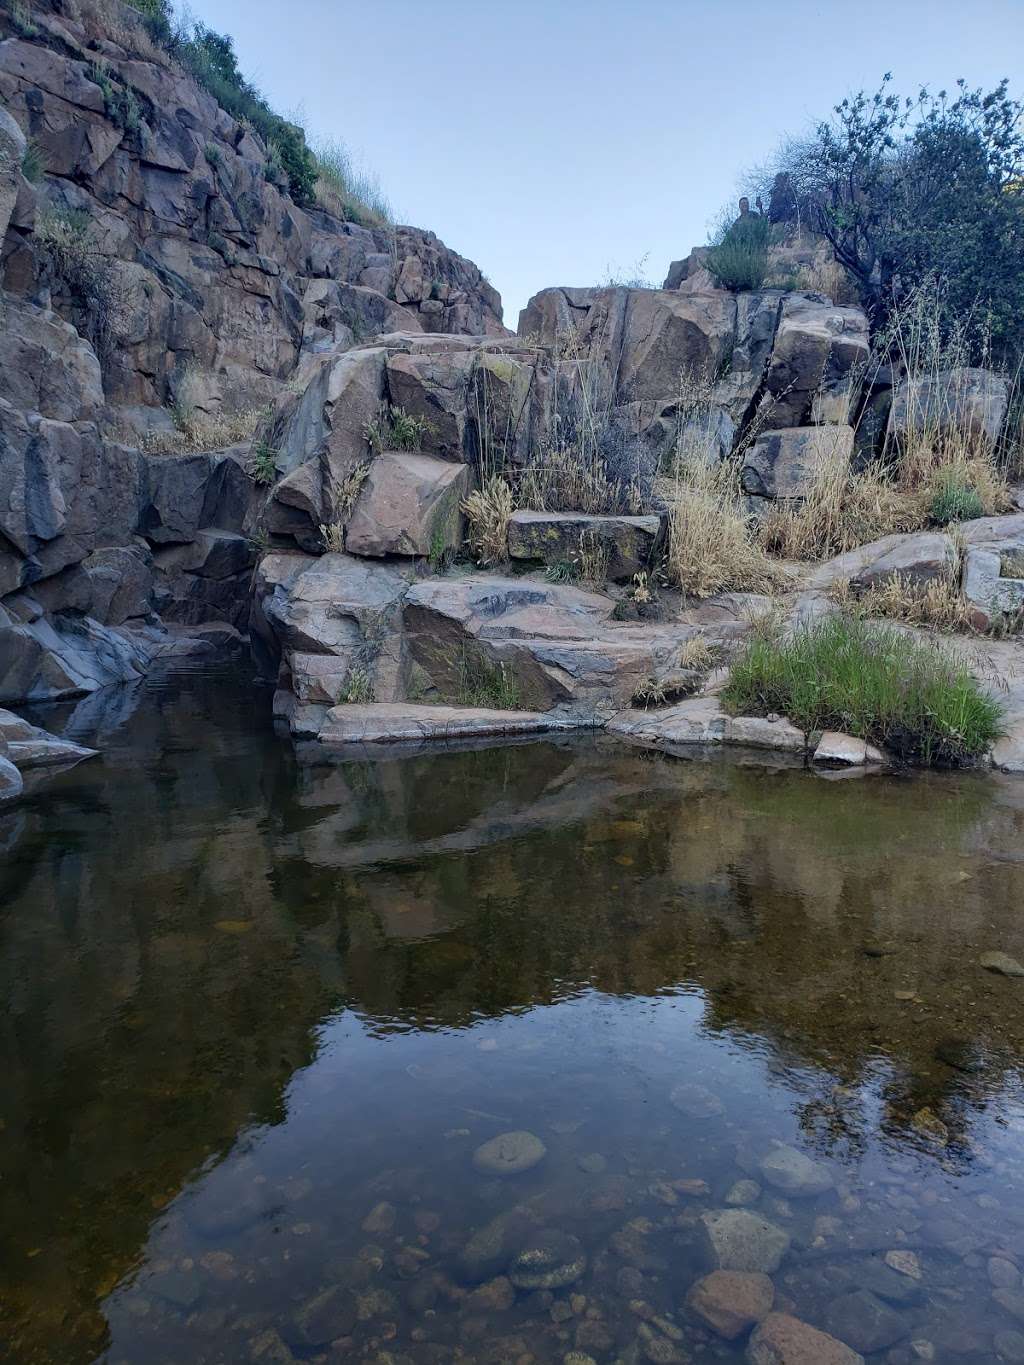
176,922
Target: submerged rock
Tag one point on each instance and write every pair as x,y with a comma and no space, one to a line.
696,1101
509,1153
731,1301
550,1260
785,1340
794,1173
741,1240
325,1317
863,1320
11,783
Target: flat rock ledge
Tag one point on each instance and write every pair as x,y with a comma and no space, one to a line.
406,722
702,721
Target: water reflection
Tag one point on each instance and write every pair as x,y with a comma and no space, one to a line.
260,1016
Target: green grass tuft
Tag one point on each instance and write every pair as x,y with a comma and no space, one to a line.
739,258
911,697
955,501
482,683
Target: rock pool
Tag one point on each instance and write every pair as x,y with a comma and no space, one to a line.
559,1051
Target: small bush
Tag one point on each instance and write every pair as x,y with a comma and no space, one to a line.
489,510
262,463
487,684
394,429
738,259
913,698
563,571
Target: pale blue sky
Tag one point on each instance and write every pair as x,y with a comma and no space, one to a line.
554,140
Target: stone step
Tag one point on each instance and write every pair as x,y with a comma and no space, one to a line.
396,722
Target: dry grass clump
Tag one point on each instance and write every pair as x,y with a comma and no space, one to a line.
575,480
699,654
711,547
592,558
937,602
488,511
196,430
344,190
842,510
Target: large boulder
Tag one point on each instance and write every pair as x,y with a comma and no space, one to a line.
331,620
43,660
956,402
320,438
28,746
552,537
819,348
993,582
11,781
782,464
434,388
409,505
185,493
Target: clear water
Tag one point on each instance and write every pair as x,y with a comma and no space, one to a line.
259,1017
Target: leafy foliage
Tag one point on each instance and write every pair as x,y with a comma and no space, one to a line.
925,187
876,682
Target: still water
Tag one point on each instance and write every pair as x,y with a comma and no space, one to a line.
259,1018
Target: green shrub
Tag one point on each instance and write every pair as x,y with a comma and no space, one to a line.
955,501
119,101
394,429
876,682
262,463
33,162
738,259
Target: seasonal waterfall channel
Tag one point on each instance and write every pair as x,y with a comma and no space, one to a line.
260,1017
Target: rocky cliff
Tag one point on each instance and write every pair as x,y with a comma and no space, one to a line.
161,292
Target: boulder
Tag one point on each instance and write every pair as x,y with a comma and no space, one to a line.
325,619
43,660
730,1302
551,537
11,782
28,746
795,1173
916,559
784,1340
956,402
846,751
865,1322
668,335
188,492
409,505
782,464
509,1153
818,346
551,644
320,438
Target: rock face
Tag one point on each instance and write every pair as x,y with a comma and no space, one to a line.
782,464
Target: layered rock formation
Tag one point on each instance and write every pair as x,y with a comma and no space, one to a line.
156,274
